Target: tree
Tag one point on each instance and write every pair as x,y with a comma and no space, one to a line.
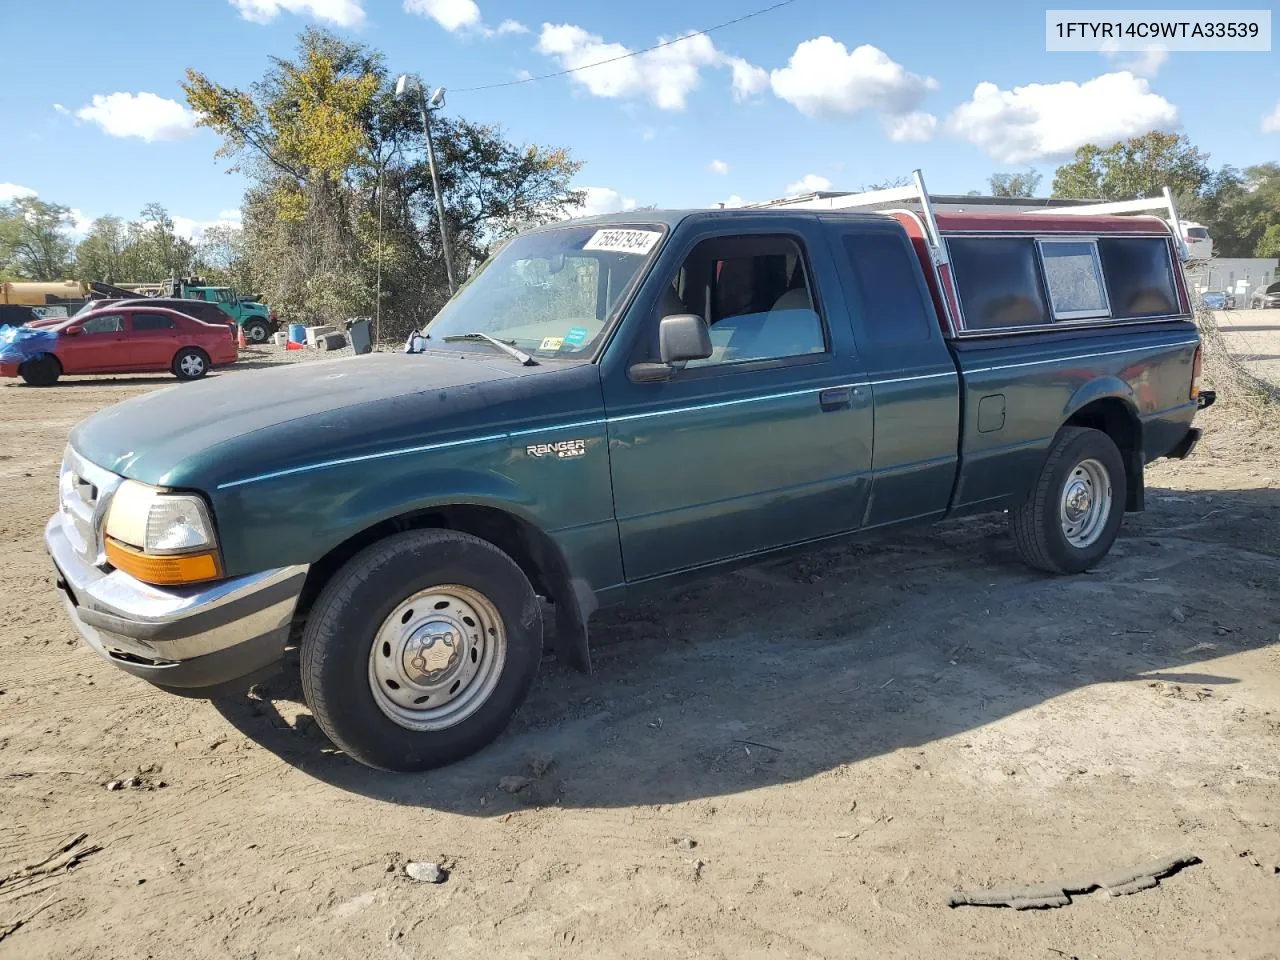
888,183
1269,245
1239,207
103,254
1139,167
33,242
1019,185
341,191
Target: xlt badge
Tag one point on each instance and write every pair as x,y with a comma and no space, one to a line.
564,450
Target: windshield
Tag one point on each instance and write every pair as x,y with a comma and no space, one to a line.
551,293
1197,233
225,295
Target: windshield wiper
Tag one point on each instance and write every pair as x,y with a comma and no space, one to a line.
507,347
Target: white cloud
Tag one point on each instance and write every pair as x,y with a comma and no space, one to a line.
1050,120
823,78
10,192
194,230
59,108
80,223
732,201
231,213
453,15
462,16
598,200
665,76
1146,63
344,13
915,127
809,183
718,166
142,115
1271,122
748,79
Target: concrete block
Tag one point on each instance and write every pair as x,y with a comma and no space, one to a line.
315,333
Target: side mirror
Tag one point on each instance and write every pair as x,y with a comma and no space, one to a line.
683,337
72,332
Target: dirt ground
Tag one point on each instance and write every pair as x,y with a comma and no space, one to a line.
798,760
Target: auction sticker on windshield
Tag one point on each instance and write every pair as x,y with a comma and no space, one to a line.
623,241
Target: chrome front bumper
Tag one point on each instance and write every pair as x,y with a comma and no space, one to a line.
183,637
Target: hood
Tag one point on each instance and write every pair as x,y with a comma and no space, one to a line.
204,433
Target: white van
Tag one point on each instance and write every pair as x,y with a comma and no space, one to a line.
1199,243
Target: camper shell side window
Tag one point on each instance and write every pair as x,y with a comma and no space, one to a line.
1008,284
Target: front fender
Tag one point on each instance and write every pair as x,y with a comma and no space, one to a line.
299,518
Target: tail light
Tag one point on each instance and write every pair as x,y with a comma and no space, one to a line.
1197,367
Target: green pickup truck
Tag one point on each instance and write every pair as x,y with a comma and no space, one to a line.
607,407
257,321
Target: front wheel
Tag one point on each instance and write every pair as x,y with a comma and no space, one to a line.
257,331
1073,515
420,649
41,371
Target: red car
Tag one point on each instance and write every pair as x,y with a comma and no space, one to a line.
131,340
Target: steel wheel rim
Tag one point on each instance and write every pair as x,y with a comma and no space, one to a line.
437,657
191,365
257,332
1085,504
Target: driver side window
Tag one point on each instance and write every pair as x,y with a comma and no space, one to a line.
108,324
755,294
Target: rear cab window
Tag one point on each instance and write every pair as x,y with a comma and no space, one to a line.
890,295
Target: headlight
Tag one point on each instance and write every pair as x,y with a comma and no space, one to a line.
161,538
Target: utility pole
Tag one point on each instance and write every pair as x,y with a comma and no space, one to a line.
407,85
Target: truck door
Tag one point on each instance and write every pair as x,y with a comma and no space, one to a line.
914,379
767,442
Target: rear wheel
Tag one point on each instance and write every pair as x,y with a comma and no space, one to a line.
420,649
41,371
257,331
1073,515
191,363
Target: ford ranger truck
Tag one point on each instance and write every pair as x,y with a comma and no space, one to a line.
607,407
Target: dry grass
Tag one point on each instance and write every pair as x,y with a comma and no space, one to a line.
1241,391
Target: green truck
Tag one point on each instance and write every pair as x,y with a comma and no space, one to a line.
256,319
608,408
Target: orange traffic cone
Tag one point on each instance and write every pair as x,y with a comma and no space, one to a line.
241,342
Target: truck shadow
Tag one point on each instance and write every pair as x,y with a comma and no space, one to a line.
798,667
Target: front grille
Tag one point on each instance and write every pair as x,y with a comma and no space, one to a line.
84,492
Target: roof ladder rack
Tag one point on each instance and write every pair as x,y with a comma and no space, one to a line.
1164,202
916,192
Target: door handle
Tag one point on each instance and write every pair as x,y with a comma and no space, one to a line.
835,398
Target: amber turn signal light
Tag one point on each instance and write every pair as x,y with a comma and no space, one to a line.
164,571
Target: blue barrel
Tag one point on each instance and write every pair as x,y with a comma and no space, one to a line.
298,332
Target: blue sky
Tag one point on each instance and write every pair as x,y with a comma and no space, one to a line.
815,93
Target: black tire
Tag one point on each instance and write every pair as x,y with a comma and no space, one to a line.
1037,527
257,331
352,607
190,363
41,371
